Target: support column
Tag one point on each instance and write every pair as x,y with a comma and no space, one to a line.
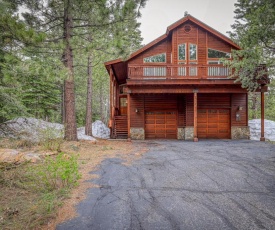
195,116
262,116
128,115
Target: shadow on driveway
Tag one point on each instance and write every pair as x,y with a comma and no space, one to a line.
219,184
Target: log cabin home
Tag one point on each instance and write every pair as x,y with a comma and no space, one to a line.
177,88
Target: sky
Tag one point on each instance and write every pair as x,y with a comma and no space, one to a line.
159,14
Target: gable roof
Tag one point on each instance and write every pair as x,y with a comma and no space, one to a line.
179,23
168,32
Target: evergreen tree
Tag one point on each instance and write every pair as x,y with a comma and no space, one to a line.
66,23
254,31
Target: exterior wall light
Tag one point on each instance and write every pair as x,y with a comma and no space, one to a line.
137,110
240,108
238,117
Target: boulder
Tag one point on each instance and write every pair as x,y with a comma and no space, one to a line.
81,135
100,130
255,129
36,130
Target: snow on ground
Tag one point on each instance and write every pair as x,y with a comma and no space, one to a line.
255,129
36,130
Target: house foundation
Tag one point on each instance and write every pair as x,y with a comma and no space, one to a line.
240,132
137,134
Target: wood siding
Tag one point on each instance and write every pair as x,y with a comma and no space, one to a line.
237,101
137,118
162,47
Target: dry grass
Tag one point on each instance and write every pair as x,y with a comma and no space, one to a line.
22,207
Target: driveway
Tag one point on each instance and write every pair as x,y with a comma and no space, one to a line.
184,185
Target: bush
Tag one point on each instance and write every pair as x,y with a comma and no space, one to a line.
59,172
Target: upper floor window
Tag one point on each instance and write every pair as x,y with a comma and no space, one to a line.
192,52
218,54
155,58
182,52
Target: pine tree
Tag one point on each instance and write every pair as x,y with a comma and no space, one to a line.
66,22
254,30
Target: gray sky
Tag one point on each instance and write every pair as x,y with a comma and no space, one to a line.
159,14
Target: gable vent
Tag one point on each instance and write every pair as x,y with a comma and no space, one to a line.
187,28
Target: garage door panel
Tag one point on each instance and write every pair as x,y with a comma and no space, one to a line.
161,124
214,123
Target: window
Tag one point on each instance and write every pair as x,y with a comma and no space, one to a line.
123,102
181,52
155,58
218,54
192,52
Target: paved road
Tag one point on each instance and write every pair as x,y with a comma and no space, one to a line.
184,185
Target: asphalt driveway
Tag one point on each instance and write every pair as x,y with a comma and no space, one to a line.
184,185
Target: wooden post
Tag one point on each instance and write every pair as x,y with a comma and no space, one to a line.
262,116
195,116
128,115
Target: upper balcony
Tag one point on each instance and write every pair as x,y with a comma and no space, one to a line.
168,71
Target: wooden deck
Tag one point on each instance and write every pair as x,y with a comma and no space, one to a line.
168,71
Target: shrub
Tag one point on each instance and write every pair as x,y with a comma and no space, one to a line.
59,172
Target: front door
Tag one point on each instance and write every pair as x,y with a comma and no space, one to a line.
123,105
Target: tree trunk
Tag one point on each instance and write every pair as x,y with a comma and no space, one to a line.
70,118
88,124
101,103
63,103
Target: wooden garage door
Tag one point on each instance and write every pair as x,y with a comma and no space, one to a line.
213,123
161,124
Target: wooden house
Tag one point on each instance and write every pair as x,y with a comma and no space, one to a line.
177,88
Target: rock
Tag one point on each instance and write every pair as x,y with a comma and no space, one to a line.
255,129
15,156
36,130
9,155
100,130
81,135
32,157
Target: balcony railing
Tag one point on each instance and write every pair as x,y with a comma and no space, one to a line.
178,72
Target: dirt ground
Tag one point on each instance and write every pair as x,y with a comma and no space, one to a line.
90,156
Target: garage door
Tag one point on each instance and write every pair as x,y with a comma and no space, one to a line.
214,123
161,124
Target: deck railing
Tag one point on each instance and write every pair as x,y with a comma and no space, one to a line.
178,72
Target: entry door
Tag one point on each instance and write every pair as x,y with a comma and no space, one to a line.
123,105
160,125
214,123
